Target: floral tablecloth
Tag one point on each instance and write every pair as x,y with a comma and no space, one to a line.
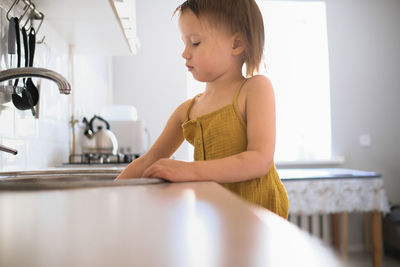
344,191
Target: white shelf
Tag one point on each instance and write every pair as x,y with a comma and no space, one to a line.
91,26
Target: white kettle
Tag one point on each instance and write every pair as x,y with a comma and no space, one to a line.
100,141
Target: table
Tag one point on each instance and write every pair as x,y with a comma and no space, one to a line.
164,224
338,191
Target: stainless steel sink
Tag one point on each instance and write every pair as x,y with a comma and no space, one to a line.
69,181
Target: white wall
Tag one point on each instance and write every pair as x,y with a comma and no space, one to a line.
364,47
46,141
154,80
365,82
364,50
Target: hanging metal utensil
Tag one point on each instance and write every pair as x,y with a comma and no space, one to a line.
11,40
31,14
41,22
26,8
20,102
32,92
25,101
30,86
8,12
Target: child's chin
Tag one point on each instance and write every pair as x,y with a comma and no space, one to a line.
200,79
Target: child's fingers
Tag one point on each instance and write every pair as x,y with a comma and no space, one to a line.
154,171
148,172
164,169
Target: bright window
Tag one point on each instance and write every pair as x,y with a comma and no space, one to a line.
296,60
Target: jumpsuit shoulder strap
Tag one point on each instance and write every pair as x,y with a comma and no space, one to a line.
190,107
238,91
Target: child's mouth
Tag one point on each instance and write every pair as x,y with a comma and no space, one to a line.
190,68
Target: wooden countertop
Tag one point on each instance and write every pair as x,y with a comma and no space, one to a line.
167,224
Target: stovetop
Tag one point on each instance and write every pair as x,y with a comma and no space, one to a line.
101,158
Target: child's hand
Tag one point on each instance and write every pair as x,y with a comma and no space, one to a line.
171,170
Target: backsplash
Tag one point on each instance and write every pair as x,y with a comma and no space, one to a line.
45,141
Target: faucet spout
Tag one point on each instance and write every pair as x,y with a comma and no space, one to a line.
63,84
8,150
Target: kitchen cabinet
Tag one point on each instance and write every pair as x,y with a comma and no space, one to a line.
91,26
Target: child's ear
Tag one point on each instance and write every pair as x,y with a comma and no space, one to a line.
238,44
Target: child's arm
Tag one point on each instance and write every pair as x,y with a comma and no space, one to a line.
250,164
166,144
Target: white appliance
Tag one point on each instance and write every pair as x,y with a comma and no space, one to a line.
132,136
131,133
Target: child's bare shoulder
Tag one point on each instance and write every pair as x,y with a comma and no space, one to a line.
259,82
185,105
181,110
258,85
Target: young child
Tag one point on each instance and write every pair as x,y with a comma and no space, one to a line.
232,123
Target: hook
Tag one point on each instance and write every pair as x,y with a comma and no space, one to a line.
41,41
41,21
26,10
30,15
8,12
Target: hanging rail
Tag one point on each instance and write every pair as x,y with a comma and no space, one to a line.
34,14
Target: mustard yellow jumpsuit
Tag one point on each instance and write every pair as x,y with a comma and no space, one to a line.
222,133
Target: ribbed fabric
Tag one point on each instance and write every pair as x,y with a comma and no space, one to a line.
222,133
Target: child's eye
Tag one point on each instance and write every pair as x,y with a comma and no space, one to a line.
196,44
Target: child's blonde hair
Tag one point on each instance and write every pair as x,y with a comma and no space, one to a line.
240,16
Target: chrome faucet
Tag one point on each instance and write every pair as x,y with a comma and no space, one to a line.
63,84
8,150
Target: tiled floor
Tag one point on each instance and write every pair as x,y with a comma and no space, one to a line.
361,259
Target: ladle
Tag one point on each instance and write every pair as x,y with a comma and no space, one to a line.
32,92
20,102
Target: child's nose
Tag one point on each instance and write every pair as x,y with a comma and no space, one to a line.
185,53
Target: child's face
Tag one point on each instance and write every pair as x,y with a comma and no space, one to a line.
208,49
